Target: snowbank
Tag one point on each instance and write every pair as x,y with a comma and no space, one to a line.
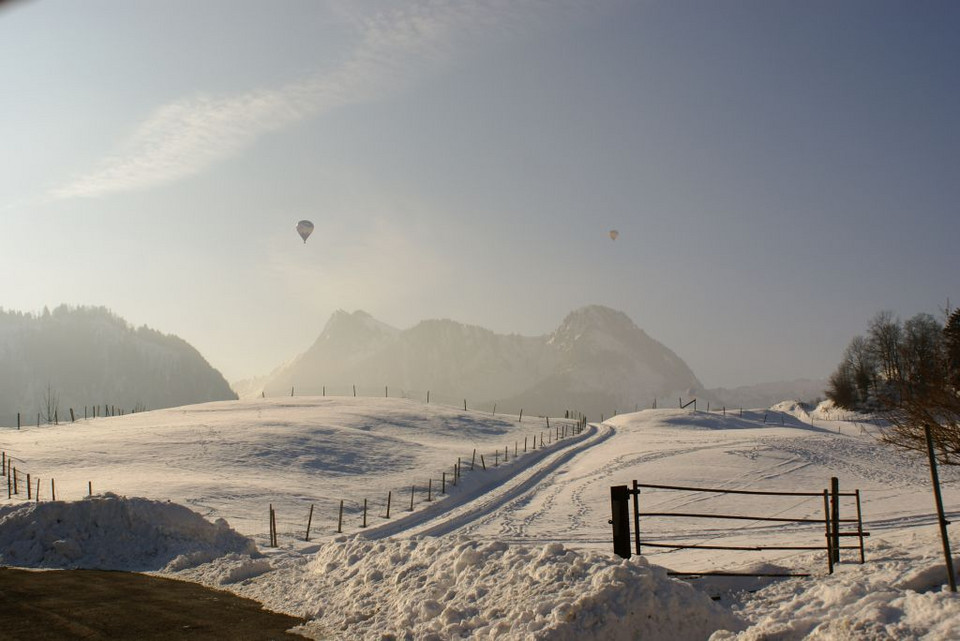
110,532
896,595
453,587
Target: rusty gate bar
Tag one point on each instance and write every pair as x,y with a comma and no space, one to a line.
741,517
757,492
745,548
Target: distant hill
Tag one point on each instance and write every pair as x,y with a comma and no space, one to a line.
85,356
597,362
768,394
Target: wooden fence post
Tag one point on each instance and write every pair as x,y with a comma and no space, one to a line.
29,488
89,488
389,496
429,490
412,490
364,513
340,519
53,490
38,490
443,486
72,419
483,463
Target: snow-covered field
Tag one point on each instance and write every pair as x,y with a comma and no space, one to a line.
520,550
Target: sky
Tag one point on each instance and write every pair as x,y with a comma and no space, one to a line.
779,172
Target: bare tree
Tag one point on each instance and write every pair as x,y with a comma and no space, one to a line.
50,405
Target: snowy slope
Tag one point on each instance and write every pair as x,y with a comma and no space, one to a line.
520,551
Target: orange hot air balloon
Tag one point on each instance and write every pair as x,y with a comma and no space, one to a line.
613,234
304,228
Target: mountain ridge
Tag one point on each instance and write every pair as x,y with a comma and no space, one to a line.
597,361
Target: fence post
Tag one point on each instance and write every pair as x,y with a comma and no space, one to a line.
835,516
364,513
340,519
309,521
443,486
826,526
636,514
389,496
53,490
860,526
29,489
620,520
429,490
935,478
412,489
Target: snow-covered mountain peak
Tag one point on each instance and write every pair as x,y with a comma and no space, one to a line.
358,325
601,327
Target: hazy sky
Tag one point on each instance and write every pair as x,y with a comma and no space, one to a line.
778,171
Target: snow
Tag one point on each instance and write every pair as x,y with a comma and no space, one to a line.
113,533
521,550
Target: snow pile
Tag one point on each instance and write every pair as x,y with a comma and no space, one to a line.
453,587
110,532
894,596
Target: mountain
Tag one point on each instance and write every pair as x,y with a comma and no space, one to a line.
86,356
597,362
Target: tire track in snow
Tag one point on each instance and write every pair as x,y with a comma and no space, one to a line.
475,506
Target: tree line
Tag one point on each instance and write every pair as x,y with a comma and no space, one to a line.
910,373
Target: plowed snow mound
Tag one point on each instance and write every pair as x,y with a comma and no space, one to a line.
453,588
110,532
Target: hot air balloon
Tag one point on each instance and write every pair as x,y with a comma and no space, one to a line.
304,228
613,234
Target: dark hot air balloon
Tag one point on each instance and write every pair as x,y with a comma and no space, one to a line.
304,228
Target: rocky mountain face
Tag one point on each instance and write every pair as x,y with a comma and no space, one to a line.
596,362
77,357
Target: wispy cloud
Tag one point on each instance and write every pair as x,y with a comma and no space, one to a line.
395,46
